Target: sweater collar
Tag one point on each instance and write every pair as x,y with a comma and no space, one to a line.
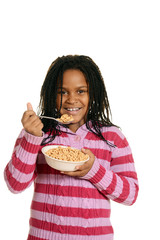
80,130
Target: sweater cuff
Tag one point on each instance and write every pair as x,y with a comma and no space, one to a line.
33,139
29,144
96,173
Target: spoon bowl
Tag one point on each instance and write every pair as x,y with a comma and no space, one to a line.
56,119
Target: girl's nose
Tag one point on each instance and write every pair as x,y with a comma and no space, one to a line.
72,98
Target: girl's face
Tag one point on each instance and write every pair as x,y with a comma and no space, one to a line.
75,97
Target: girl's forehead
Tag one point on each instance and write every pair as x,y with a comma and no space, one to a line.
74,77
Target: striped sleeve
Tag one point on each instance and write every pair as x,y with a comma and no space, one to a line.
20,171
119,182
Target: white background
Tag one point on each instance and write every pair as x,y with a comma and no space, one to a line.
123,38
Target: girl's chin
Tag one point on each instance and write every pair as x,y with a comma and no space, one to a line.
77,122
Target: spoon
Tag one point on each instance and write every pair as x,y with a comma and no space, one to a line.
56,119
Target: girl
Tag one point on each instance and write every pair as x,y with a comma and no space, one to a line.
73,205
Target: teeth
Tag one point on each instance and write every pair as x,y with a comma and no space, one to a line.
72,109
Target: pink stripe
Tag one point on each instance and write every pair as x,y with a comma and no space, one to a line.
125,191
117,191
122,160
123,167
71,202
136,194
73,221
20,176
115,137
35,238
63,180
16,185
111,188
114,130
21,166
71,229
29,147
71,211
98,144
101,153
41,234
71,191
130,199
17,142
98,176
121,152
105,182
8,184
124,197
129,174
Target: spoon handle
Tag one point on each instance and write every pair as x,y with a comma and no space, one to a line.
48,118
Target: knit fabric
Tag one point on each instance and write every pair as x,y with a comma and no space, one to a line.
72,208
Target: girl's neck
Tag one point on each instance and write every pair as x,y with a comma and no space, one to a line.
74,127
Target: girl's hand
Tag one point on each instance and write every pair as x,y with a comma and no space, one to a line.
83,169
31,122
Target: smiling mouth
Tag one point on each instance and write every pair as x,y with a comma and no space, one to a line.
72,109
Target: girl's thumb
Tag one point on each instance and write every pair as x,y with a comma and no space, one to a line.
86,151
29,106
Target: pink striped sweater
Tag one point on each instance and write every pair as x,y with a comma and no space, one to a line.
69,208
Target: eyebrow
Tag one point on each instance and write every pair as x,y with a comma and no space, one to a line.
76,88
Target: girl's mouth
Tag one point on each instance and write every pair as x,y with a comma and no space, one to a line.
72,111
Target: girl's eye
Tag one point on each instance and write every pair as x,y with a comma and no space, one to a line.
62,92
81,91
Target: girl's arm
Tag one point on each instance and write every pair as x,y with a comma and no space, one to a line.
119,181
20,171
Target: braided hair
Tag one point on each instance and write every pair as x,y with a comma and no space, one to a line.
99,109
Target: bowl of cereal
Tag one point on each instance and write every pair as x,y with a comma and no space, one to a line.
64,158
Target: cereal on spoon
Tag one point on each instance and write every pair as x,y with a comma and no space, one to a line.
65,118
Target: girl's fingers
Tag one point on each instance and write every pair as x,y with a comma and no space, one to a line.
28,115
87,151
83,169
38,125
31,122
